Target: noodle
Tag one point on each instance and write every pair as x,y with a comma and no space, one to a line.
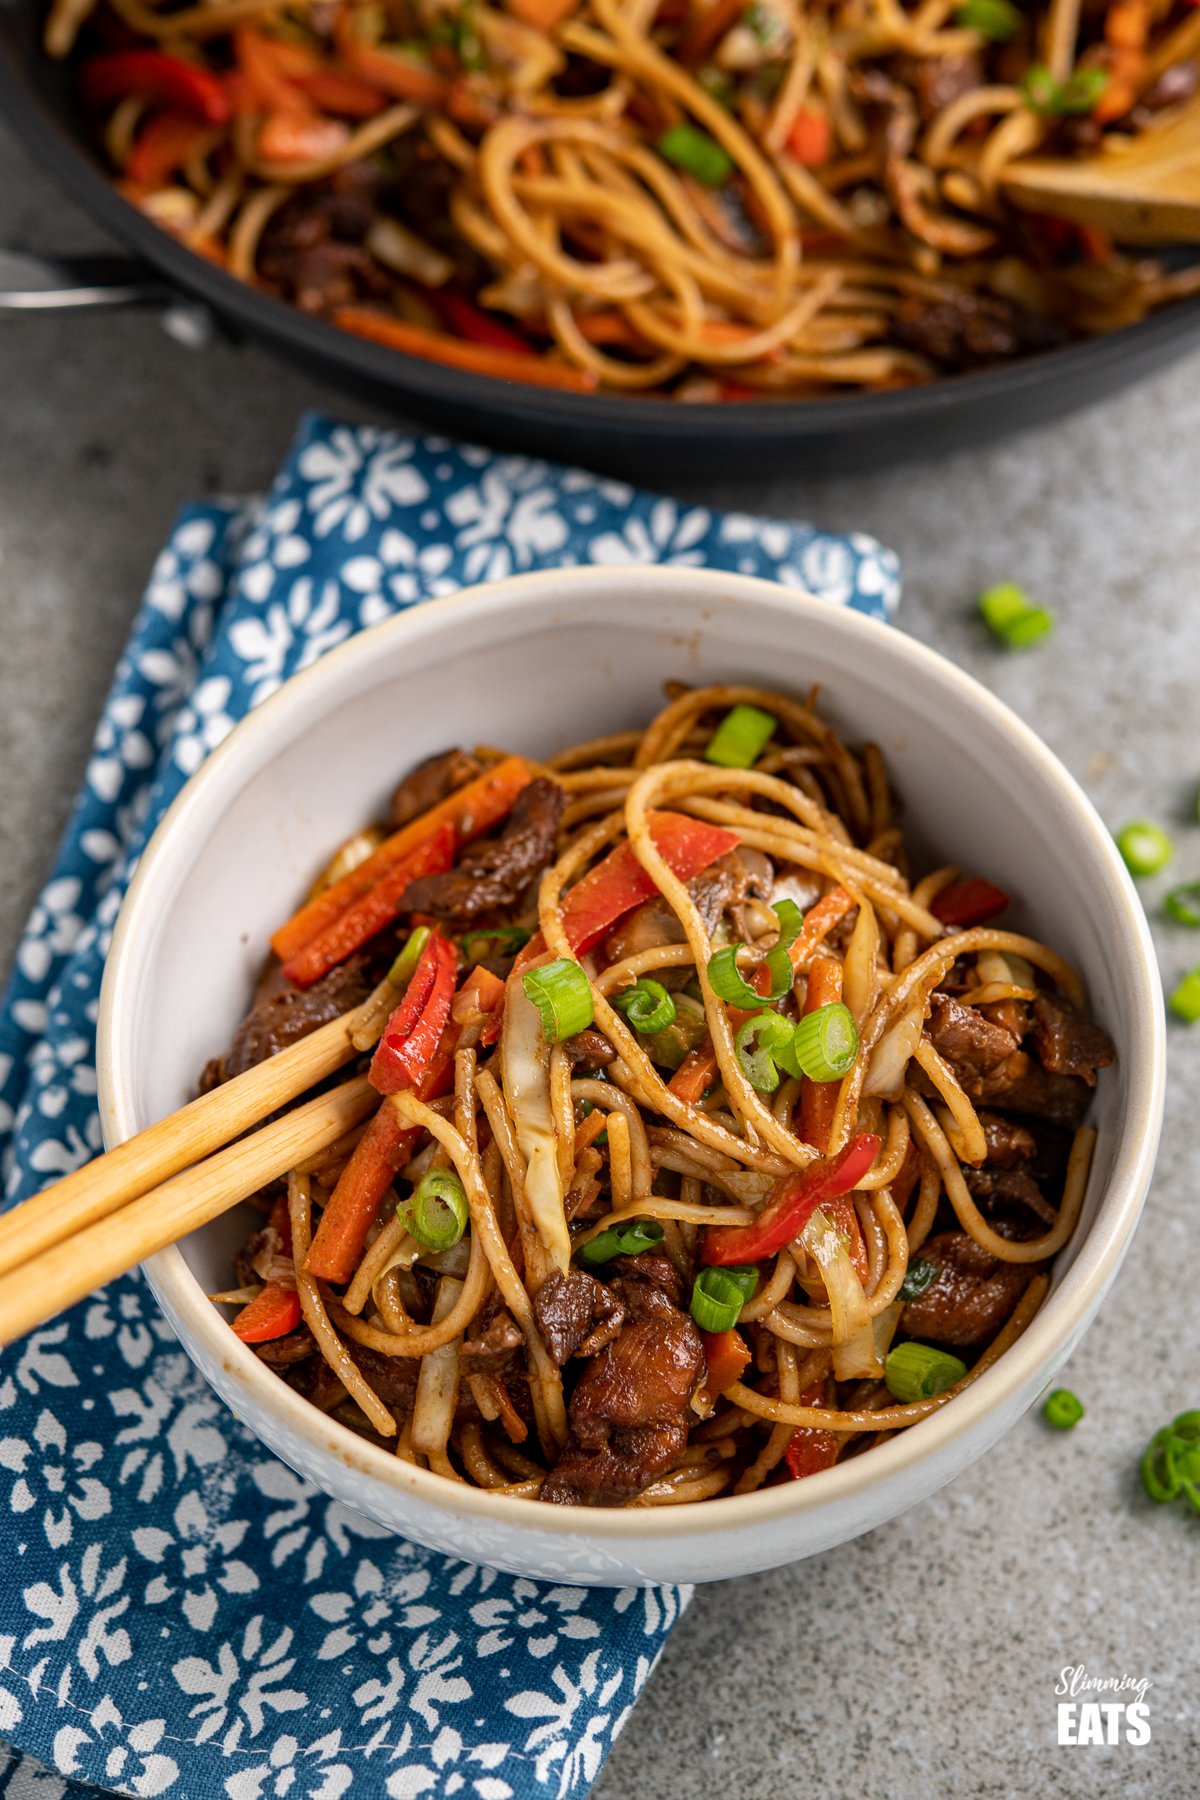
525,1270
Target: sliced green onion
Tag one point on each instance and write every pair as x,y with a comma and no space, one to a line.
746,1277
741,737
1183,903
1170,1465
760,1044
996,20
1185,998
696,154
622,1240
400,973
1145,847
728,982
677,1040
824,1044
1063,1409
508,939
436,1213
1053,99
563,996
920,1274
647,1005
917,1371
1010,613
717,1300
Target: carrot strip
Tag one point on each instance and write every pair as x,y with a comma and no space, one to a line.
363,918
271,1314
471,809
543,15
454,353
818,1099
726,1355
819,921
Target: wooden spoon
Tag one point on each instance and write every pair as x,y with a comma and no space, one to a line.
1142,190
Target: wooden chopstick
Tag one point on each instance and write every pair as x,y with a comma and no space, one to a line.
98,1189
59,1274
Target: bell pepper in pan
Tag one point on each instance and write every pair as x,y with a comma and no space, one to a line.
155,76
792,1205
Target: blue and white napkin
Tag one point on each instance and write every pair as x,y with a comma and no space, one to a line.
180,1614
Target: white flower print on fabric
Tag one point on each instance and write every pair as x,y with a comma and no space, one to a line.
187,1616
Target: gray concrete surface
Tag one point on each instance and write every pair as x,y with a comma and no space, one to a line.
923,1659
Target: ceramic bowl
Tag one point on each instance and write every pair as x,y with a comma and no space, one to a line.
533,664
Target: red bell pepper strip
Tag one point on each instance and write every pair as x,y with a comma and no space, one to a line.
818,1099
619,883
343,94
726,1355
968,903
164,145
271,1314
791,1206
153,75
377,908
411,1036
472,810
384,1147
468,321
811,137
810,1449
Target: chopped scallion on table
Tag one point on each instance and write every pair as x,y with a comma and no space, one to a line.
1013,617
1184,1001
1145,847
1063,1409
1183,903
741,737
1170,1466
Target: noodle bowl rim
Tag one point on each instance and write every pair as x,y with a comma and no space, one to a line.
491,615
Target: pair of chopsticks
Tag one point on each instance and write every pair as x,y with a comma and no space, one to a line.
177,1175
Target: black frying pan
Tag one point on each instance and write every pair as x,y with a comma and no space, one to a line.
632,435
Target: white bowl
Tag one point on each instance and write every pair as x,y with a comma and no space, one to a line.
534,664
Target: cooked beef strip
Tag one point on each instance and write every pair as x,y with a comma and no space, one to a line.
628,1412
1020,1084
937,80
1011,1190
431,782
728,883
971,1044
971,1296
972,329
569,1308
496,872
283,1014
1066,1042
284,1352
1009,1143
589,1050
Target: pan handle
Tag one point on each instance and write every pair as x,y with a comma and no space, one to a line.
32,282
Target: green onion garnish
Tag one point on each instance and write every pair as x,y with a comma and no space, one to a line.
696,154
622,1240
1063,1409
400,973
1145,847
717,1300
727,981
761,1044
740,738
997,20
1183,903
917,1371
1170,1467
919,1275
563,996
1053,99
508,939
436,1212
824,1044
1185,998
647,1005
1010,613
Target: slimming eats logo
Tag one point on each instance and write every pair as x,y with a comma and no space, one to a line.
1102,1721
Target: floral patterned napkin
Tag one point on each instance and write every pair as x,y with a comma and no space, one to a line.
180,1614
